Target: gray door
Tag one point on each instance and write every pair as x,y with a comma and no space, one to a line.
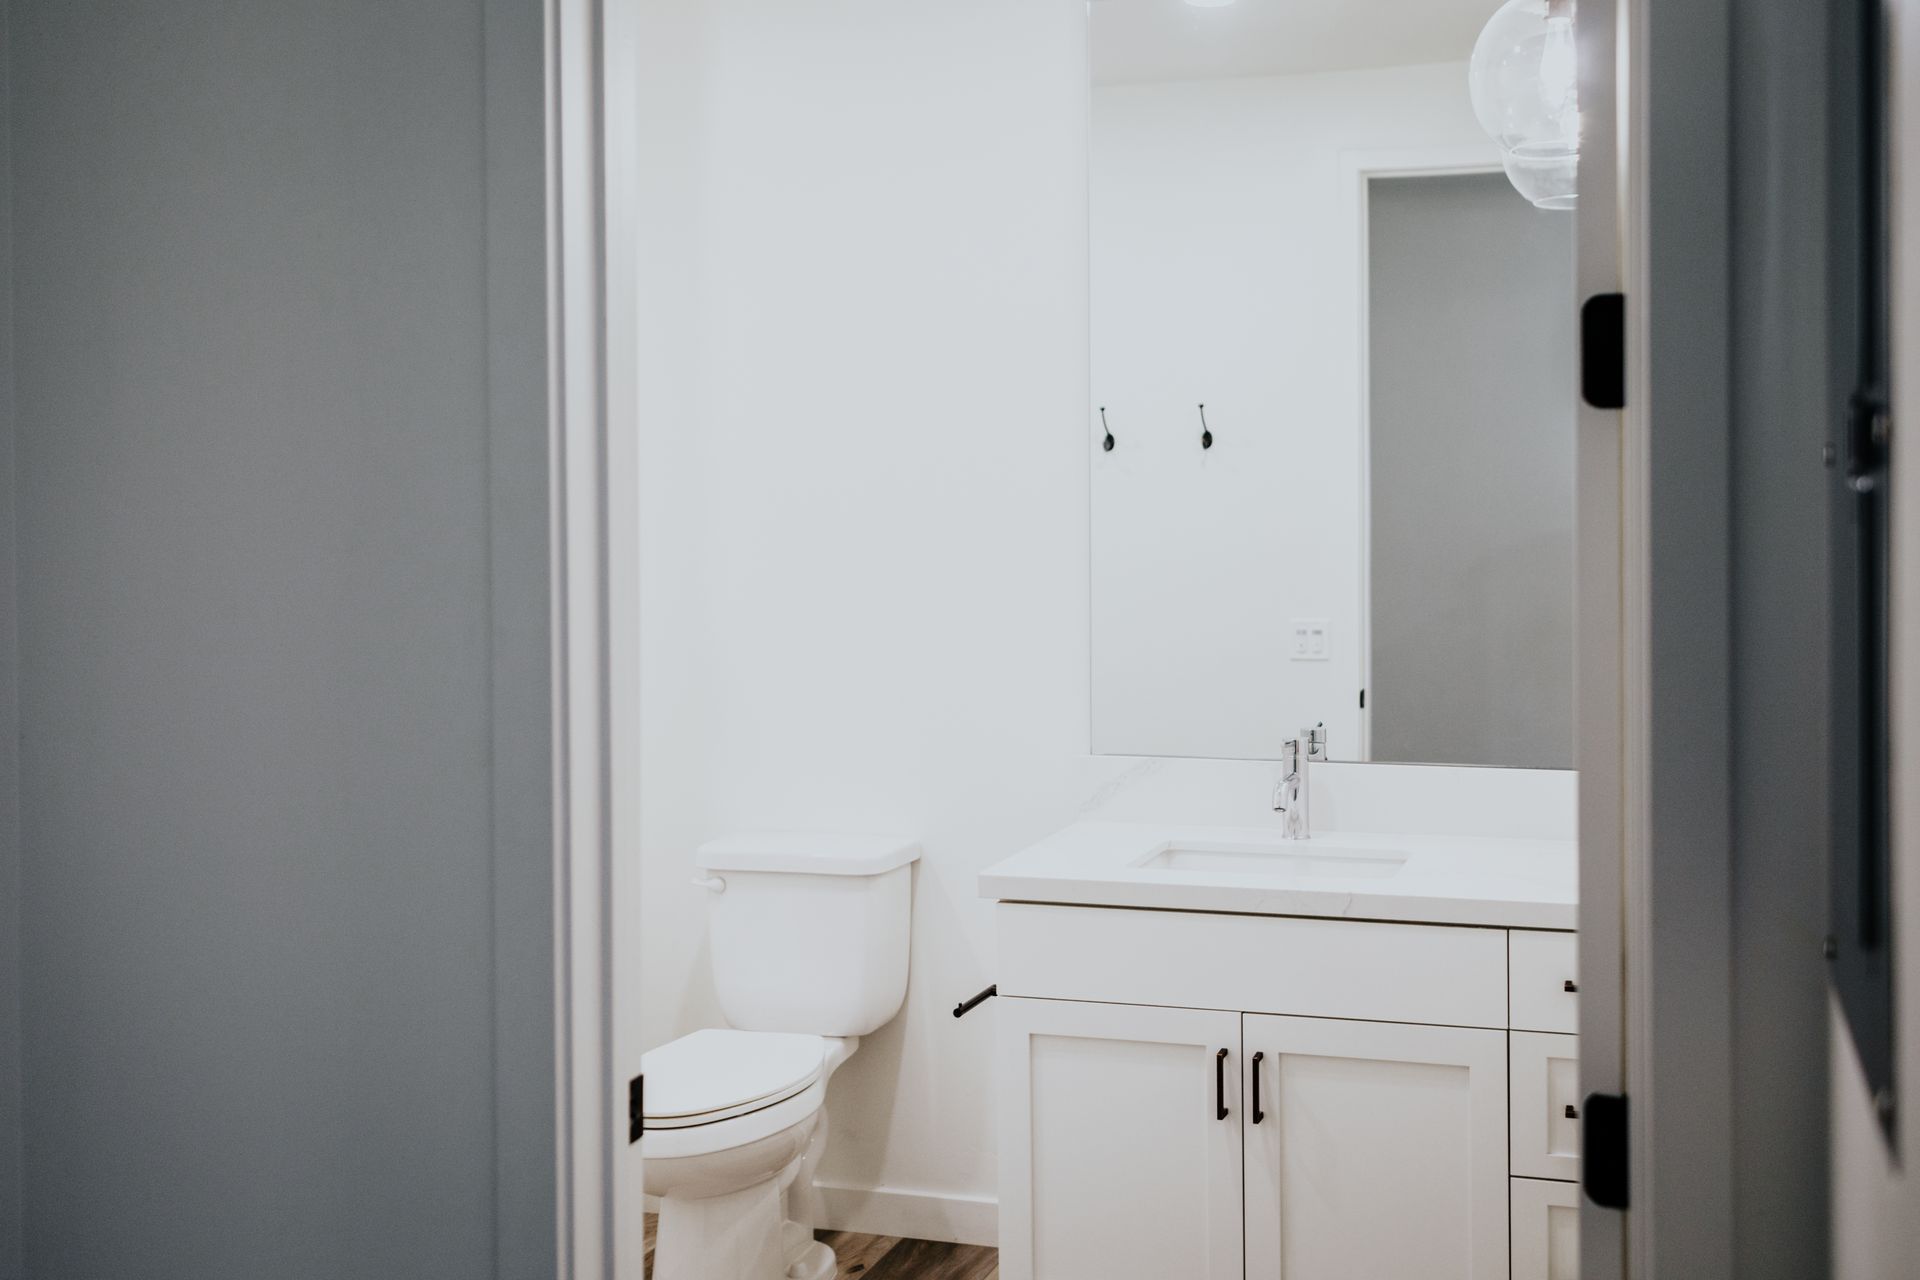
283,976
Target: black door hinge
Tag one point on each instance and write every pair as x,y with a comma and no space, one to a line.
636,1107
1603,1149
1603,351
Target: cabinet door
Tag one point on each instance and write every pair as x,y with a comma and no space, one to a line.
1378,1151
1546,1230
1115,1163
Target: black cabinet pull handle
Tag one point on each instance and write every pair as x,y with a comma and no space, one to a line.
1258,1114
1220,1084
1569,986
1573,1112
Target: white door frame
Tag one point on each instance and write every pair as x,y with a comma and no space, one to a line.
1653,635
590,135
1358,169
1609,606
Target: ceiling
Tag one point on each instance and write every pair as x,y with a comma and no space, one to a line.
1145,40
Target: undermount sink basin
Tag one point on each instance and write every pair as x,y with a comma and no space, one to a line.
1281,863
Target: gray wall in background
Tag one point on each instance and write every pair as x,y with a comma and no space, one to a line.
1779,419
1471,356
10,1152
278,273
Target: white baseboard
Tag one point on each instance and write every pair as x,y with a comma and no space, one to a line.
914,1215
911,1215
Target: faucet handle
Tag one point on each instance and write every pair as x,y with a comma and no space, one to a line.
1316,740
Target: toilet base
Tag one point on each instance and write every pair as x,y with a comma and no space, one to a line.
807,1258
711,1230
737,1236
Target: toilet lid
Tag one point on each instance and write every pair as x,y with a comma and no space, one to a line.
711,1075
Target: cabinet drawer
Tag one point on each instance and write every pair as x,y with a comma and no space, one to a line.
1546,1230
1543,1079
1255,964
1543,979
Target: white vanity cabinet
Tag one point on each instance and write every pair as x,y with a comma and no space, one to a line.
1228,1096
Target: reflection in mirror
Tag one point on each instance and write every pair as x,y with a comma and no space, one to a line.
1470,322
1298,223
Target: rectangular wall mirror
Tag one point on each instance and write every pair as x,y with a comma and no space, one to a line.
1333,389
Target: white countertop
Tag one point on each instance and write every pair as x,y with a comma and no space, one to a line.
1523,884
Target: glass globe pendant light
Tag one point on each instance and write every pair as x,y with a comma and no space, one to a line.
1524,80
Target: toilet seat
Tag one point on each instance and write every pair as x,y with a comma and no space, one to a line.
717,1074
660,1146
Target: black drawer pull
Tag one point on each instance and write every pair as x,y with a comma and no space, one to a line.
1569,986
1258,1114
1220,1084
1573,1112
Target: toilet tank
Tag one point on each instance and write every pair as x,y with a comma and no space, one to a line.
809,933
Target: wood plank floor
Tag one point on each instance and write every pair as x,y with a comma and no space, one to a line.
890,1258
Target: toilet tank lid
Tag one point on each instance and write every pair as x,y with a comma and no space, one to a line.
808,853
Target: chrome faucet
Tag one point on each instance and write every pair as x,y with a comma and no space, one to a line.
1290,795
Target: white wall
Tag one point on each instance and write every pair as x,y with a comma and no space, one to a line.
865,519
1227,271
865,506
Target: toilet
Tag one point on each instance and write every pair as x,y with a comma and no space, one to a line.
808,935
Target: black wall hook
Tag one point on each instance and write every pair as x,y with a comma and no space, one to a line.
1106,444
1206,436
967,1006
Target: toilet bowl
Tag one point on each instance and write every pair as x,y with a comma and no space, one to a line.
734,1126
809,939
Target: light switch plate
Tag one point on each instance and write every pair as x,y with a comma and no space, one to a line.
1307,640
